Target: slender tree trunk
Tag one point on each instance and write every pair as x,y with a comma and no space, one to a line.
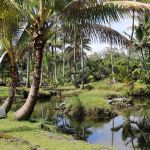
24,113
82,64
55,66
70,66
74,63
28,71
131,40
142,53
41,81
111,58
12,90
63,59
55,53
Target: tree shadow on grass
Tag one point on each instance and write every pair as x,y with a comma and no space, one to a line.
19,129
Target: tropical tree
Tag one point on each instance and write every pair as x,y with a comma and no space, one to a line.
13,41
85,13
142,39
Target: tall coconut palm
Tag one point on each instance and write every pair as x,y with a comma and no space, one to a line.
43,20
12,37
28,69
141,42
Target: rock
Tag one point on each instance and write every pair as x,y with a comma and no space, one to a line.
2,112
120,99
110,101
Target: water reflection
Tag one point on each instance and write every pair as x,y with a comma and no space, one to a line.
136,128
80,129
131,131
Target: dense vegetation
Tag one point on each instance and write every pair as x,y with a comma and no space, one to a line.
45,49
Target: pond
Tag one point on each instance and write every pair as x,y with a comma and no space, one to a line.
128,131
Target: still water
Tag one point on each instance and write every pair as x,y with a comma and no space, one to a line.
128,131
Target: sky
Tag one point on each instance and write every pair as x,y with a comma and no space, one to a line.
123,25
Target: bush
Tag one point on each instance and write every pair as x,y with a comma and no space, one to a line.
89,87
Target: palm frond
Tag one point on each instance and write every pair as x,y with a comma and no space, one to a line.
131,5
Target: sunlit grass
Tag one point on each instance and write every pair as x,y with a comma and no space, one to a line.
4,91
94,99
32,133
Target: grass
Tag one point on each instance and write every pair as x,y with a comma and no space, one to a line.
4,91
95,99
35,137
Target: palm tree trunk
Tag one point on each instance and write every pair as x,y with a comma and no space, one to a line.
41,74
24,113
55,54
131,39
74,63
70,66
82,64
12,90
142,53
111,58
28,71
63,59
55,66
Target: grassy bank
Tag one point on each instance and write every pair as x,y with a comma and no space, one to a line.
29,136
93,101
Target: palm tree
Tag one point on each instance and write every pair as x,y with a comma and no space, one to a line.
84,12
84,46
28,69
13,40
141,42
111,58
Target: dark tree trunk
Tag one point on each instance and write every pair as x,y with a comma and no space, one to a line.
28,71
12,90
24,113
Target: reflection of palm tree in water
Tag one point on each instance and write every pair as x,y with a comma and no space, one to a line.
82,133
138,131
73,127
113,125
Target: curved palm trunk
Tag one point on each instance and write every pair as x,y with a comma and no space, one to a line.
12,90
26,110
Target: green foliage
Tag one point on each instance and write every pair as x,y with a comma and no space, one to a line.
89,87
